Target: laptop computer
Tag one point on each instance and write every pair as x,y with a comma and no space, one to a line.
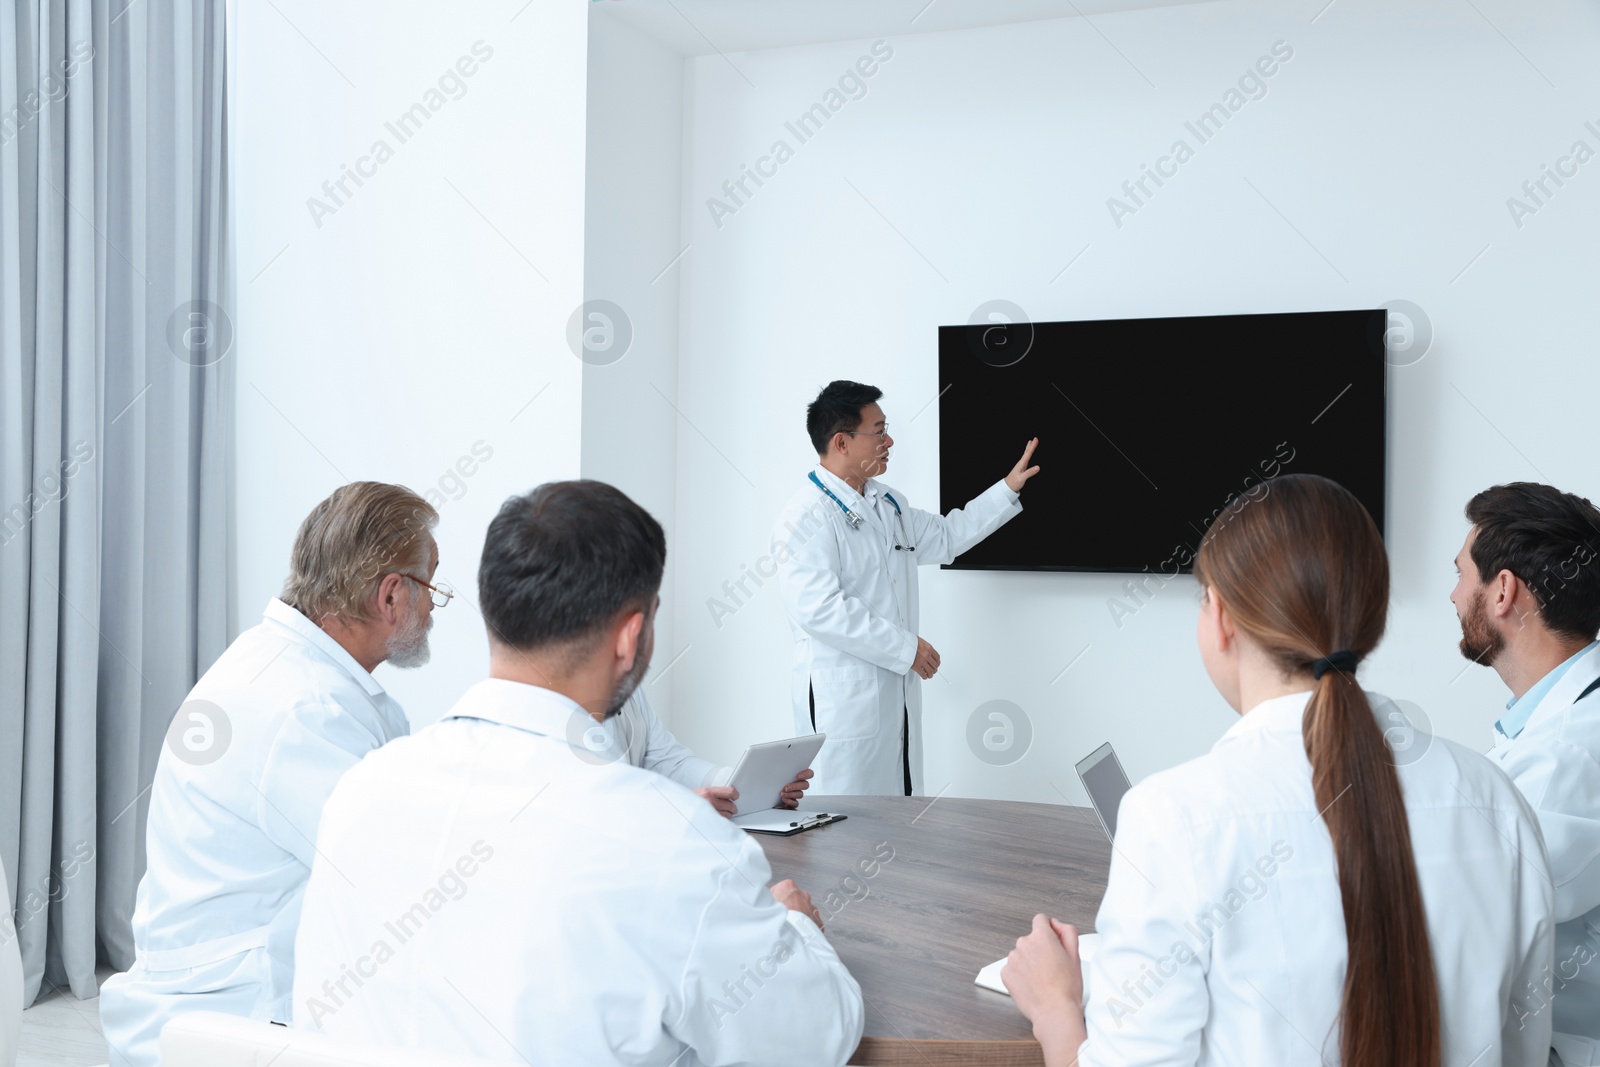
1105,781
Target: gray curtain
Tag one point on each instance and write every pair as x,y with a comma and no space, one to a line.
115,388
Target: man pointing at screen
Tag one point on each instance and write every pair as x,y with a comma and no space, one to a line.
848,548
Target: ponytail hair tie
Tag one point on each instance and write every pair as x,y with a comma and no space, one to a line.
1344,661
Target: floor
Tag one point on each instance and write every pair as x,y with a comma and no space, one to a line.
62,1031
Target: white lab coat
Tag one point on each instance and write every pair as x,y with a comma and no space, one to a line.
1222,937
637,734
229,843
1555,761
486,888
851,599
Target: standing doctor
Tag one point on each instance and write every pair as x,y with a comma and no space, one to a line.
848,548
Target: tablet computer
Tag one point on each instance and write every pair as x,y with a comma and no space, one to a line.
1105,781
766,768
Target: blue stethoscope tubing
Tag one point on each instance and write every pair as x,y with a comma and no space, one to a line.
855,520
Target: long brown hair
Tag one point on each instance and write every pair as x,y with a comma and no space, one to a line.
1303,571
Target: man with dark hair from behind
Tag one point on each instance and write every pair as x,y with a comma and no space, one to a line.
490,887
848,548
1528,599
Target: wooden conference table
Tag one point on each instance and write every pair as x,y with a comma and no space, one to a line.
964,882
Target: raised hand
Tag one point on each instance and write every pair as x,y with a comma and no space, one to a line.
1022,472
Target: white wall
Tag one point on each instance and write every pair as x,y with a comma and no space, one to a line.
1391,141
413,323
632,236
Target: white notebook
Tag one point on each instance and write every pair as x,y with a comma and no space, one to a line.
989,977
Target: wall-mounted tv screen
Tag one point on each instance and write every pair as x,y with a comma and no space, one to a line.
1148,428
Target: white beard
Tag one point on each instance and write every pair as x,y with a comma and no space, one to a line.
408,646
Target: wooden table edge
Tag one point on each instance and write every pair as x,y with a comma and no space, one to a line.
918,1052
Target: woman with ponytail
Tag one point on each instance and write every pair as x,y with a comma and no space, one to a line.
1307,892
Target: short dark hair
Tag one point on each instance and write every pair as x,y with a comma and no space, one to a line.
837,409
563,561
1550,540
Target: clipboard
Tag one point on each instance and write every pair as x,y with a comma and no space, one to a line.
782,822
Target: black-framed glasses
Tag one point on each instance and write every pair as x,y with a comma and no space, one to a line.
441,594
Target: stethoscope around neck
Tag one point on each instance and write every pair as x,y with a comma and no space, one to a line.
856,520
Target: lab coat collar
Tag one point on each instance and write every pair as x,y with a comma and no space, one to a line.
309,632
1279,715
842,487
1575,680
530,708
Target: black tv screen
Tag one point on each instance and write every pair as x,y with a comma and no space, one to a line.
1148,428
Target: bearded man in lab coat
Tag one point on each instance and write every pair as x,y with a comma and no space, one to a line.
252,756
1528,598
490,888
848,548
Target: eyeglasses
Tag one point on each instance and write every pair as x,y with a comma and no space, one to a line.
441,594
868,433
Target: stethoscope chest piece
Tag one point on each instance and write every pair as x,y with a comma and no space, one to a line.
900,520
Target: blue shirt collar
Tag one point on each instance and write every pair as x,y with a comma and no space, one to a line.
1520,709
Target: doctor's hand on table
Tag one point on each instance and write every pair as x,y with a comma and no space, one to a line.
794,898
1045,978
